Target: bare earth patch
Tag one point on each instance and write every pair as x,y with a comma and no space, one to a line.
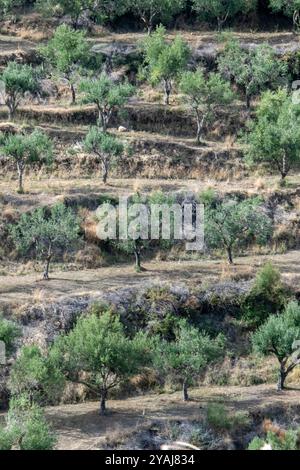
80,427
19,289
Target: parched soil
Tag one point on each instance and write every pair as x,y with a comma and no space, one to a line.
18,289
80,427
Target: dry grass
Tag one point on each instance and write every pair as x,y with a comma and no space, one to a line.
80,427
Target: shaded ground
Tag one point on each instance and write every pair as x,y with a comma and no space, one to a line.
80,427
24,288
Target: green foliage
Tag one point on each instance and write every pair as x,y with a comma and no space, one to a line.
67,53
165,60
99,10
268,295
107,147
46,230
18,79
152,11
108,96
222,10
27,149
231,224
203,95
140,212
187,356
287,441
274,138
278,336
220,419
253,71
26,427
290,8
36,375
9,332
98,347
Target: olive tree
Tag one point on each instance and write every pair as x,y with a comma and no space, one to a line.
280,336
204,94
231,224
46,231
252,71
18,79
106,147
290,8
165,60
27,150
188,356
274,137
97,354
152,11
223,10
135,232
109,96
67,52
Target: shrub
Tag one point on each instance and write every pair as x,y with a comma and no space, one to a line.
26,427
286,441
267,296
9,332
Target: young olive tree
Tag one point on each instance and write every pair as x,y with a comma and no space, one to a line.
290,8
142,214
106,147
274,137
188,356
27,150
26,427
231,224
46,231
280,336
165,60
152,11
66,53
108,96
18,79
252,71
204,94
223,10
99,348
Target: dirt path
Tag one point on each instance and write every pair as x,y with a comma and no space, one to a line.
80,426
19,289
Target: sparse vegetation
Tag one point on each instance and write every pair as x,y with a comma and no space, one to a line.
184,324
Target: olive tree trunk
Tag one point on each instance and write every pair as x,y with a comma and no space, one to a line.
168,90
103,399
73,93
185,391
200,125
48,261
229,255
105,168
20,168
281,378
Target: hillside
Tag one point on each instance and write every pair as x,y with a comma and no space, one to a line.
192,343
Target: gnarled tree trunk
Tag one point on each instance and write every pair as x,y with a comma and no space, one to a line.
185,391
168,90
